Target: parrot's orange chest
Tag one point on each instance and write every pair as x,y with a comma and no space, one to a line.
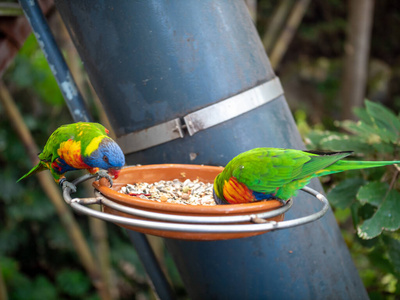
71,152
235,192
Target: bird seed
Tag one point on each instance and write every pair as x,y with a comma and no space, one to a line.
188,192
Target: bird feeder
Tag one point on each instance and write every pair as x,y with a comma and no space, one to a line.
186,222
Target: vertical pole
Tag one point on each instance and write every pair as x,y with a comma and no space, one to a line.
56,61
149,260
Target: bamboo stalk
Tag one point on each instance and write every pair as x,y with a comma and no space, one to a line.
288,32
53,193
252,7
278,19
98,229
3,288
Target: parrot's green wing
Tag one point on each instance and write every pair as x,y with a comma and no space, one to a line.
74,132
319,161
62,133
267,169
100,127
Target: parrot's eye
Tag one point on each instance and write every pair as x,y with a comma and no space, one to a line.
105,158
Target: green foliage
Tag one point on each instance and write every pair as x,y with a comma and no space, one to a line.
387,216
37,257
73,283
343,195
372,195
31,71
36,289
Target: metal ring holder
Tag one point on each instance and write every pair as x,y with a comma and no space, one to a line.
168,222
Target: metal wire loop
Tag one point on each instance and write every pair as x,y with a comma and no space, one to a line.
195,224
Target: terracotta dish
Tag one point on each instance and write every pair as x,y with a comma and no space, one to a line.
154,173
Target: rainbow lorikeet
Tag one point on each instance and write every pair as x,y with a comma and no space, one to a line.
274,173
76,146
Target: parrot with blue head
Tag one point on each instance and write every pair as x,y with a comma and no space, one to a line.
276,173
82,145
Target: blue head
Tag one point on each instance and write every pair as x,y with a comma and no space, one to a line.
107,156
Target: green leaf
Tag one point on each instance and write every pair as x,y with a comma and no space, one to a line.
393,247
8,267
38,289
345,142
354,213
360,128
31,70
387,217
363,115
45,83
366,211
73,283
314,138
30,46
344,194
35,207
384,148
379,259
373,193
12,238
43,289
385,120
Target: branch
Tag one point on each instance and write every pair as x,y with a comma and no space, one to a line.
278,20
287,35
356,56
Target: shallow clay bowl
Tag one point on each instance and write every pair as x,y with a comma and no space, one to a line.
154,173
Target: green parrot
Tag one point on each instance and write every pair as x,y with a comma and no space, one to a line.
274,173
76,146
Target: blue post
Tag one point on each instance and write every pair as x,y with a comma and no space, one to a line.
69,90
154,62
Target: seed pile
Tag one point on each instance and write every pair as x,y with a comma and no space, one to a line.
188,192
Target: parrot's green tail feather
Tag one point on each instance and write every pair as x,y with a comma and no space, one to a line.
345,165
39,167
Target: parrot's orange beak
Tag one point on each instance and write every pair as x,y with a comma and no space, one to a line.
114,172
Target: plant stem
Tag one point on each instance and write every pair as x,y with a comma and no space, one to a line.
3,288
288,32
252,7
278,20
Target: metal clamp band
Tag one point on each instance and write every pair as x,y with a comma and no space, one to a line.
233,106
152,136
203,118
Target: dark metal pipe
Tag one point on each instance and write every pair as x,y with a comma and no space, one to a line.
56,61
149,260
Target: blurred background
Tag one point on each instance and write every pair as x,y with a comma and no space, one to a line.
330,55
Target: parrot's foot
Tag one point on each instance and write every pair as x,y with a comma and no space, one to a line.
284,202
64,183
103,174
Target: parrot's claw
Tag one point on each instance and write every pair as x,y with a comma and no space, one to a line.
103,174
64,184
